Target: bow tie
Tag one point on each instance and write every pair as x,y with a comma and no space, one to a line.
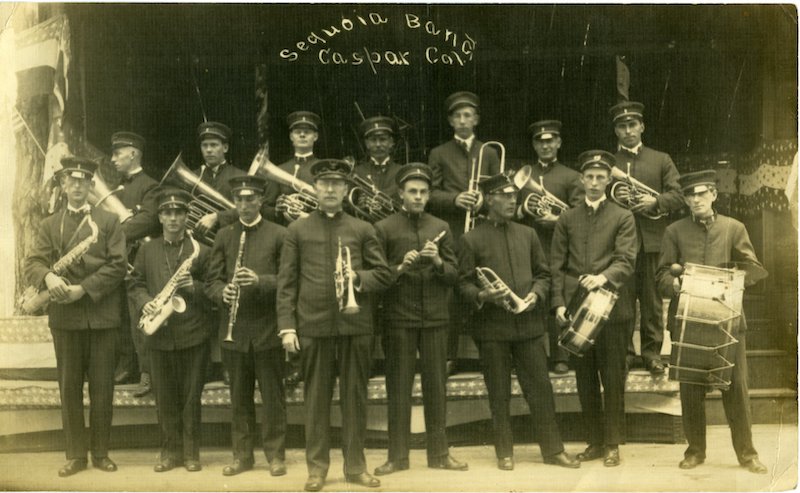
464,145
302,160
632,152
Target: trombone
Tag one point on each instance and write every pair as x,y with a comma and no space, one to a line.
475,178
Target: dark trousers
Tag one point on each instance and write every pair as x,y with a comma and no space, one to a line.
735,401
529,358
603,415
322,357
139,344
557,353
125,346
401,346
91,353
651,326
245,369
178,378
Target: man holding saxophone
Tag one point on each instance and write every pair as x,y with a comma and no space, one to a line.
79,261
503,271
178,347
242,278
331,263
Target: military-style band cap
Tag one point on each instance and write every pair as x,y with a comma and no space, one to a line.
376,124
247,185
331,169
596,159
127,139
626,111
414,171
460,99
304,119
78,167
501,183
174,198
214,130
545,129
698,181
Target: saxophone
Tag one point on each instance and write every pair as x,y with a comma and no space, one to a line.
168,300
234,309
33,299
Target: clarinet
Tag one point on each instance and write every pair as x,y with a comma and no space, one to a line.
234,310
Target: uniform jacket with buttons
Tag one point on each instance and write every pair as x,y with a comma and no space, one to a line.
381,176
219,182
140,196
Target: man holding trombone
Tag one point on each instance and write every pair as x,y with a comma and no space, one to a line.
242,279
504,272
330,264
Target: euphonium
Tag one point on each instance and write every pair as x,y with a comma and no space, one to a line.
382,205
205,200
539,201
636,190
34,300
102,198
233,311
343,274
490,280
303,201
168,300
475,178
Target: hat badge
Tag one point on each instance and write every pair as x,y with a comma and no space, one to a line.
596,157
303,119
377,125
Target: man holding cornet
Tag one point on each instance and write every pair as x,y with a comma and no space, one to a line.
330,264
503,271
242,279
169,271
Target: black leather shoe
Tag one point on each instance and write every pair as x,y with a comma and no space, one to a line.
690,462
391,466
144,386
505,463
755,466
562,460
363,479
451,367
72,466
165,465
104,464
277,467
123,376
314,483
293,379
447,462
193,465
592,452
561,368
238,466
611,457
655,367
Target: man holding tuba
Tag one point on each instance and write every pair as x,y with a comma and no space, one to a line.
178,349
503,271
565,184
331,261
655,170
242,278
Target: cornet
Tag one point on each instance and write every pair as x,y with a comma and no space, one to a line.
539,202
475,178
490,280
346,296
636,190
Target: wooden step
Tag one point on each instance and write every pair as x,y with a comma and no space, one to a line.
769,406
771,368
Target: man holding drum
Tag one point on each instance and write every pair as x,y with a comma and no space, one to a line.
709,238
594,246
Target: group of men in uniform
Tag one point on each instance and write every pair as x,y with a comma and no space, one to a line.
270,276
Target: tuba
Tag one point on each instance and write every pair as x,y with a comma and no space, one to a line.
303,201
101,197
343,275
205,200
475,178
490,280
539,201
636,190
382,205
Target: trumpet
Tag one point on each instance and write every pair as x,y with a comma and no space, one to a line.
474,179
300,203
234,308
490,280
205,200
381,205
343,274
636,190
539,202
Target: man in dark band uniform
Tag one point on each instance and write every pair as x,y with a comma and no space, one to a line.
310,320
246,274
423,274
452,165
565,184
84,312
594,245
709,238
178,349
505,339
378,134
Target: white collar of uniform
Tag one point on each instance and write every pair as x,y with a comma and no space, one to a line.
546,165
250,225
134,172
382,163
85,209
595,204
468,141
305,155
216,168
633,150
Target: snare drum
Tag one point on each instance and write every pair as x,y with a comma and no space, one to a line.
708,315
587,312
